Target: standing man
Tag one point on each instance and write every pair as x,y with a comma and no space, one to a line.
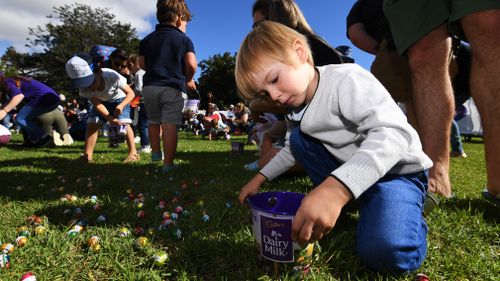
421,31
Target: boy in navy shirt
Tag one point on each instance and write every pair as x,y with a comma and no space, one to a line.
167,55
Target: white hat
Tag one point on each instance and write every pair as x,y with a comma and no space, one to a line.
80,72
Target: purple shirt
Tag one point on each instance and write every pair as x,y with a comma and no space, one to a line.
36,94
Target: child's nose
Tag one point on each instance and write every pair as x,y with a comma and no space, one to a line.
274,95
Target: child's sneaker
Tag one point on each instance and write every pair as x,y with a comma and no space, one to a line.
156,156
67,139
254,166
167,168
57,138
145,149
85,159
456,154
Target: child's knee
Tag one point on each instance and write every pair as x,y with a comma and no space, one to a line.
389,256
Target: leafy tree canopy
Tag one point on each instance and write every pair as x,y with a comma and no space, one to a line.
217,76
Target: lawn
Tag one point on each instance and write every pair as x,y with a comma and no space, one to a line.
464,241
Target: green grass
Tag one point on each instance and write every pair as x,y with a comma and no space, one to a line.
464,241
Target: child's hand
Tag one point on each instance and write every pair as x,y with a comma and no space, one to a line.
118,110
114,122
251,188
319,211
190,85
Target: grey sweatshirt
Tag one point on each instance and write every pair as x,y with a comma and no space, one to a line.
358,122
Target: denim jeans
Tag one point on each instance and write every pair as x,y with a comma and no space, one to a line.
456,138
27,119
391,232
142,125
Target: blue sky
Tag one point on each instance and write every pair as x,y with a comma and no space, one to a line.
217,26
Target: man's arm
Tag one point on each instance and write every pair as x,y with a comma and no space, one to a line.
361,39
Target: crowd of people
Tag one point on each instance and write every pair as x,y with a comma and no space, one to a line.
307,106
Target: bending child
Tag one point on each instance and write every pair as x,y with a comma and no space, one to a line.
109,93
352,140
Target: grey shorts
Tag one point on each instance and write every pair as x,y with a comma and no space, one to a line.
410,20
164,104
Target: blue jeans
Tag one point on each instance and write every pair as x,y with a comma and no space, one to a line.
456,138
26,119
142,125
391,232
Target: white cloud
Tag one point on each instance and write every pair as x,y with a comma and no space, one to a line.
17,15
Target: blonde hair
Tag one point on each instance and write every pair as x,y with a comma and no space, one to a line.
286,12
268,41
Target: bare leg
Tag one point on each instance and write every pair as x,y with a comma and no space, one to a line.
91,139
482,31
169,143
433,100
154,137
129,138
410,113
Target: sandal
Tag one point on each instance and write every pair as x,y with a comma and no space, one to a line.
132,158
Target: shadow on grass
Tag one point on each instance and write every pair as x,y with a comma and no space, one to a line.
221,247
487,210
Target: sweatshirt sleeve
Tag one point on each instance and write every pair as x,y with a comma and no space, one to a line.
387,135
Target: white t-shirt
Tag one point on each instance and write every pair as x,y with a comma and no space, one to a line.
113,85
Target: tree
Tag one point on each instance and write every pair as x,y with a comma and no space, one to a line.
217,76
80,28
17,63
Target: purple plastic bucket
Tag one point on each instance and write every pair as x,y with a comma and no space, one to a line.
272,217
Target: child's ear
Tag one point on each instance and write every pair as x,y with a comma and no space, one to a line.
178,21
301,50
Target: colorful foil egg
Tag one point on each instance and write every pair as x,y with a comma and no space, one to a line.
138,204
40,230
4,261
21,241
179,209
101,219
138,230
93,199
160,258
174,216
78,227
28,277
72,233
124,232
7,248
141,242
166,215
177,233
93,243
141,214
23,231
205,218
